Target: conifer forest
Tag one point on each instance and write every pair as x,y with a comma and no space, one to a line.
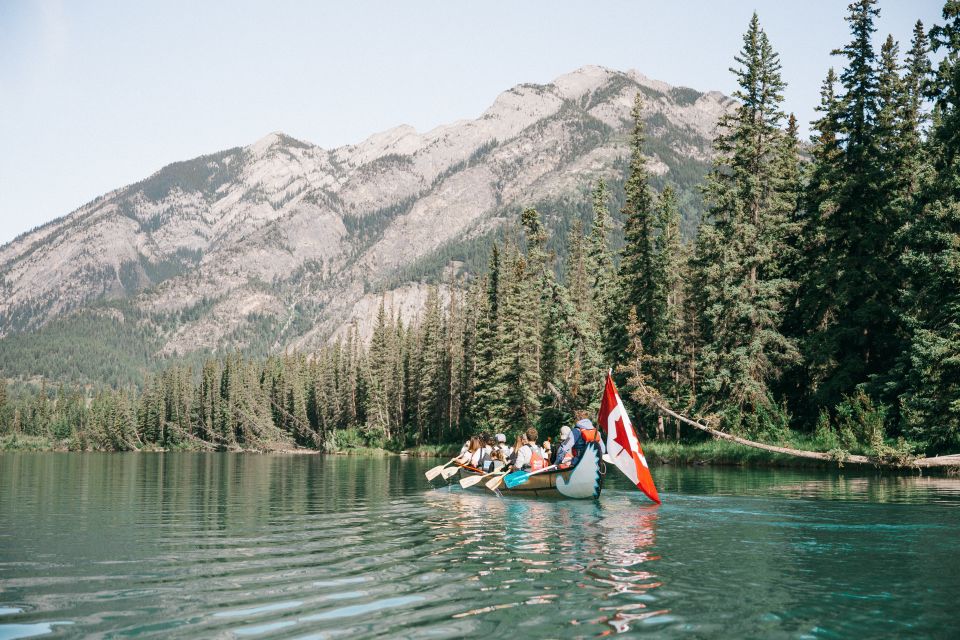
818,303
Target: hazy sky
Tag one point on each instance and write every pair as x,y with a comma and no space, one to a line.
95,95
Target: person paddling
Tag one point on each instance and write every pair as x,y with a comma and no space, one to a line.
529,455
575,440
502,446
471,450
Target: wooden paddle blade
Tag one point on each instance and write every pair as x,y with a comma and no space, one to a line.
449,472
494,484
469,481
433,473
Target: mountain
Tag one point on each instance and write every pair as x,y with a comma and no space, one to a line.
281,243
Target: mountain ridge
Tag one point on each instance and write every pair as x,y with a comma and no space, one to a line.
278,243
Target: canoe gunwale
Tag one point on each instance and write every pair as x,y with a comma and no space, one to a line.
577,482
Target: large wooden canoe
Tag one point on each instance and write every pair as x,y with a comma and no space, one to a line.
583,481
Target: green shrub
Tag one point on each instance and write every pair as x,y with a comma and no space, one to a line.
860,422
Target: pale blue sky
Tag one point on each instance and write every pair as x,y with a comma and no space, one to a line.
95,95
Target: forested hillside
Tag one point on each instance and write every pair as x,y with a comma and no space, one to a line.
282,244
820,300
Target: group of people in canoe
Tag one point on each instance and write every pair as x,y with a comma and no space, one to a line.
487,452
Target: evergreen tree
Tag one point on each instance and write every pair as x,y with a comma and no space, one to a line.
379,371
579,287
740,288
575,317
930,402
489,384
916,83
3,406
429,369
853,328
668,357
600,269
517,358
454,363
635,281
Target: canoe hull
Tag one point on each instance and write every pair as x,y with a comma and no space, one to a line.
583,482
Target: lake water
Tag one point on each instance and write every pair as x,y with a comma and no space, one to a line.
268,546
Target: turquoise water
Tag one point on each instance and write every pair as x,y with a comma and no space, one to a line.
261,546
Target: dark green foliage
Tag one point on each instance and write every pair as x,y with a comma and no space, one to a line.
636,277
853,255
684,95
105,346
205,175
852,332
930,391
740,289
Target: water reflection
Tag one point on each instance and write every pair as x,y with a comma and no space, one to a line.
895,489
604,549
220,545
628,537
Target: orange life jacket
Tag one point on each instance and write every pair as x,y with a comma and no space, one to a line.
536,458
581,437
590,435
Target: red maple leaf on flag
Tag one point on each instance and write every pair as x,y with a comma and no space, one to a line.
621,437
613,419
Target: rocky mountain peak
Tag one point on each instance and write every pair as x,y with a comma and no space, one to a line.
282,243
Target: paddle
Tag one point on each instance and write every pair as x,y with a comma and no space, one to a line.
450,472
433,473
469,481
495,482
519,477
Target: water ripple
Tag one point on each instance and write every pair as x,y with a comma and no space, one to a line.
278,547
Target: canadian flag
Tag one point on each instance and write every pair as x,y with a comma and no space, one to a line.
623,446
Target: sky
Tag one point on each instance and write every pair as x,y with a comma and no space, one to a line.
98,94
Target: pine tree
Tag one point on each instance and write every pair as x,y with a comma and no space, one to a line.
916,82
379,371
207,403
930,402
635,281
853,330
3,405
740,288
668,358
454,363
579,287
489,386
474,302
429,369
517,359
600,268
575,315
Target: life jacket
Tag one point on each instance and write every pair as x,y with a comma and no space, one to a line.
583,432
480,457
537,461
590,435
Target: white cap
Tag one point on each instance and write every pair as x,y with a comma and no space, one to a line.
564,431
501,438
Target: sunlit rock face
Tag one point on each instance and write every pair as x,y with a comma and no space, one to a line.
283,244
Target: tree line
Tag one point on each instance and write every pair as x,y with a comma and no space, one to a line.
820,297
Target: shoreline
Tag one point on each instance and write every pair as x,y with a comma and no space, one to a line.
712,453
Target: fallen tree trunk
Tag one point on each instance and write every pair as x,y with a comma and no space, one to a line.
656,403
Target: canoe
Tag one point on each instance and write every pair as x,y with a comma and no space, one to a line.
583,481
